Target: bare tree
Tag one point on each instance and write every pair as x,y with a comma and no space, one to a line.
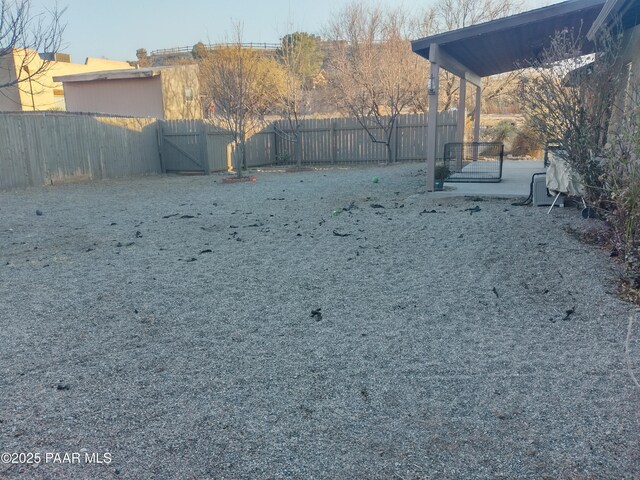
453,14
244,85
372,70
29,33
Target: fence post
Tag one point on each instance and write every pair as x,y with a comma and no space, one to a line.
334,146
274,147
204,148
160,135
298,146
396,127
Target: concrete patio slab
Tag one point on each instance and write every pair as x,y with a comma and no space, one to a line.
516,180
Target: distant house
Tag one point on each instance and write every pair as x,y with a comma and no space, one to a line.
41,92
168,93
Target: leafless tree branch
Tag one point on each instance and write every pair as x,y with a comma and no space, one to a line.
28,32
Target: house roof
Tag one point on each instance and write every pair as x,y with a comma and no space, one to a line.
505,44
111,75
628,11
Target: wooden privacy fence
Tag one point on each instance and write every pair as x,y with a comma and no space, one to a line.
344,141
46,148
198,146
49,148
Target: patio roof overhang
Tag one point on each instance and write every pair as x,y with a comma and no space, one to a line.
508,43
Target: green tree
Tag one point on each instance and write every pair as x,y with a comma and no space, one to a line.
300,52
143,57
301,59
199,51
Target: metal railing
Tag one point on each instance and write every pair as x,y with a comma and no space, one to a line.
474,162
214,46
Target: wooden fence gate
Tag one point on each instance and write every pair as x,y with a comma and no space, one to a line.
193,147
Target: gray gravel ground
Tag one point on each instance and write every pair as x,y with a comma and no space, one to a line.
167,321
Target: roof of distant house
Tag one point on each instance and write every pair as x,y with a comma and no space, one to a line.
94,61
113,74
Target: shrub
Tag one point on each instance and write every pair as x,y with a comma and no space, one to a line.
502,131
442,172
527,142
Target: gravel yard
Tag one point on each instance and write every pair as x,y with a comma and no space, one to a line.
183,328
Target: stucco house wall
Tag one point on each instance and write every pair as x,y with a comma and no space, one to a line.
42,92
181,92
135,97
9,98
622,17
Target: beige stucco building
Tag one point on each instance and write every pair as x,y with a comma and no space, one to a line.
168,93
41,92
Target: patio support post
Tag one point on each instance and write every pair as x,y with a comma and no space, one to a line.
476,123
461,119
432,121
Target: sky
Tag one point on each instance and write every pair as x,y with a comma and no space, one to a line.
115,29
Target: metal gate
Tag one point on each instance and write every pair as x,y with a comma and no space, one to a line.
474,162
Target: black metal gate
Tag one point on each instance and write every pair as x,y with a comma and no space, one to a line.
474,162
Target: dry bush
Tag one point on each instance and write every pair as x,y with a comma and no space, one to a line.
527,142
502,131
245,86
567,97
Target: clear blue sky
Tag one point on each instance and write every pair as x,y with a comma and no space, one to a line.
116,28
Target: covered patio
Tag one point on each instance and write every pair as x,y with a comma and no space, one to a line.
491,48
